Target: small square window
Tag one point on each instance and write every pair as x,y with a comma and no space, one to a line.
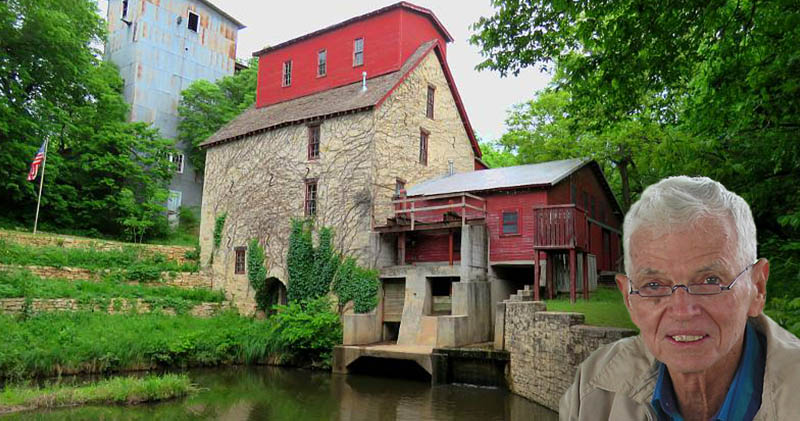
423,147
239,265
322,63
311,198
287,73
358,52
511,222
313,142
194,21
429,109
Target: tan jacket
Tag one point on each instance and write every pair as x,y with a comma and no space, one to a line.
617,381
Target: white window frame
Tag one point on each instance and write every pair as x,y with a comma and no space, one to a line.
189,21
322,64
358,53
286,76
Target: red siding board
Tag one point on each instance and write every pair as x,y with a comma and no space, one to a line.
389,39
433,248
512,247
416,29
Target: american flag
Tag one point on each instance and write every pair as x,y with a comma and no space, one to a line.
37,162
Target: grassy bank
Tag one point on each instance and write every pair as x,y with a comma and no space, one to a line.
117,390
22,284
51,344
604,308
130,258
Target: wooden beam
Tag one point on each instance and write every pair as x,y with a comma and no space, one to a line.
536,275
573,285
450,248
586,276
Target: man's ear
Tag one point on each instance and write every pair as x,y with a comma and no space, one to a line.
759,279
622,284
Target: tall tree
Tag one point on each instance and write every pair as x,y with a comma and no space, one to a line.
725,74
207,106
103,174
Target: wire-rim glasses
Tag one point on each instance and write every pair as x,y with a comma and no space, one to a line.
655,290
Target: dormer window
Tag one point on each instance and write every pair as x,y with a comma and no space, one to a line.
194,21
287,73
358,52
322,63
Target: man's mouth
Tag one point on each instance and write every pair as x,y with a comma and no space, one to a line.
687,338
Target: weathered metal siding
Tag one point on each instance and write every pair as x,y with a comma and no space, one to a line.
158,57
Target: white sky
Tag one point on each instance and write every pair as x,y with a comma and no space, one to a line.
486,96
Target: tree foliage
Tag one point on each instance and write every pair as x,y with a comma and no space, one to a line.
656,89
721,78
207,106
103,174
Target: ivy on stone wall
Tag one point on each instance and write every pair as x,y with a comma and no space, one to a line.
300,262
326,262
315,271
357,284
219,223
257,273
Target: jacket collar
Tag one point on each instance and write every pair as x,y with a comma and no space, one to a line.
631,371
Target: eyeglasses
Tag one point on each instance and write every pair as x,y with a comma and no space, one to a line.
656,289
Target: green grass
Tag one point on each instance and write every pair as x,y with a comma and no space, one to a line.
604,308
117,390
51,344
22,284
128,258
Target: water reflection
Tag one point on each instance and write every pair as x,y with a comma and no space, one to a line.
270,393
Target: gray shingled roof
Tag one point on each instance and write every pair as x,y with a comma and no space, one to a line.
542,174
333,101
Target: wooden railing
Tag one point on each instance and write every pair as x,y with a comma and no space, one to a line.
439,208
560,227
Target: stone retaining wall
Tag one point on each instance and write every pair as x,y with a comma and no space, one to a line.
176,253
115,306
180,279
547,347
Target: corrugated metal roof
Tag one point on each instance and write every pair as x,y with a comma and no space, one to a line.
541,174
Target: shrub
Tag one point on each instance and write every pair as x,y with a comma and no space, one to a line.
306,334
786,312
357,284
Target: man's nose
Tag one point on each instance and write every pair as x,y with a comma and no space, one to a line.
682,303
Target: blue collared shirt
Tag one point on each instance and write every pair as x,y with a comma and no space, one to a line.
744,394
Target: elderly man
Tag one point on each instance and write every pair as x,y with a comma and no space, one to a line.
696,291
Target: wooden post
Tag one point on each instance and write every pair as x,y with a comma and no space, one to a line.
536,275
573,285
401,248
585,275
549,276
450,248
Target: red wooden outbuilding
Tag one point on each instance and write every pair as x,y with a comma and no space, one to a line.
538,212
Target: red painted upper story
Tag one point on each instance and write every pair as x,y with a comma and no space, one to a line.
390,35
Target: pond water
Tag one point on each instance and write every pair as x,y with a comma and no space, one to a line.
274,393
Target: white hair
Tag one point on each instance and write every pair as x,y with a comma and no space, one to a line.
682,201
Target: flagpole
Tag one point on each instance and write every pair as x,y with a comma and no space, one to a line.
41,182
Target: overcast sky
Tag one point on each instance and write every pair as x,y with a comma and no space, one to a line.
486,96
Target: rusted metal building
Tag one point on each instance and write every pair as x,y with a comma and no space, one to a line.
161,47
